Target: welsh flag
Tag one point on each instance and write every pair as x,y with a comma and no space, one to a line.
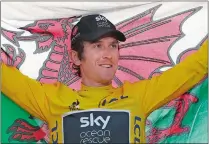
35,37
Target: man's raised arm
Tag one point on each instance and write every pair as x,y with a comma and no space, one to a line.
176,81
26,92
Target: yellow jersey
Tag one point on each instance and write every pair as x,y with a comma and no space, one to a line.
102,114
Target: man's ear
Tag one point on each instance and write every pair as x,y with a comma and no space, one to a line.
74,57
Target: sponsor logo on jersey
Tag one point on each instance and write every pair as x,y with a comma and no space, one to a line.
96,126
74,106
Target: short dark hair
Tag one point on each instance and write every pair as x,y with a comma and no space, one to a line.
78,47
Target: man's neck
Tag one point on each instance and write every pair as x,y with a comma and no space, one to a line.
91,83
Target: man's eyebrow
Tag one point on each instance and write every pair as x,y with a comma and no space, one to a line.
99,41
114,42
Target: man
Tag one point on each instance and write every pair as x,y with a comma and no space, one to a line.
99,113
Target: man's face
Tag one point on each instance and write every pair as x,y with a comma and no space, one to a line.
100,60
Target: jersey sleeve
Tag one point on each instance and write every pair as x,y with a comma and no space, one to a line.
26,92
174,82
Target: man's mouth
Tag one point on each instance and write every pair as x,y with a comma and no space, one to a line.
105,65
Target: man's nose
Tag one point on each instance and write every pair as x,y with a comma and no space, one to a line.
107,54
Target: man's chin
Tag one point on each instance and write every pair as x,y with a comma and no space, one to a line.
107,79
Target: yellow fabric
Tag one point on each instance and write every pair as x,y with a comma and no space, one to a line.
50,101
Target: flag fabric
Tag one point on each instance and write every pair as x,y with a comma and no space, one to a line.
159,36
